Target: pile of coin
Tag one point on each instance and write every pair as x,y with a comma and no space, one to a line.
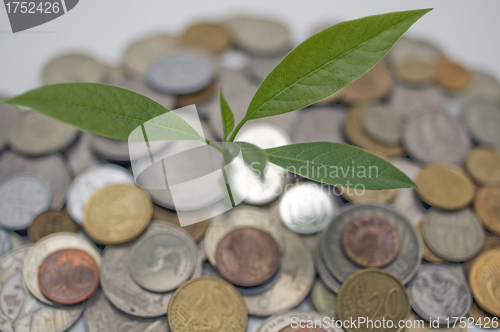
84,249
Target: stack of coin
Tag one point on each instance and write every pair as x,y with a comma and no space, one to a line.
296,249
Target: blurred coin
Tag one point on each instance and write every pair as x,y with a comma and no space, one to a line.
68,276
355,134
483,164
306,208
35,134
427,253
5,242
484,279
47,246
375,84
486,204
22,197
483,87
416,324
197,97
248,257
370,241
405,264
211,37
323,272
365,286
383,124
407,202
490,242
140,55
438,292
445,187
9,115
324,300
434,137
79,326
293,285
323,124
196,231
110,149
259,36
483,121
181,73
415,72
50,222
451,76
74,68
259,66
16,241
482,318
221,302
407,49
262,287
162,261
456,236
119,286
240,217
263,135
100,315
88,182
363,196
233,60
21,312
283,322
409,101
139,86
80,156
106,221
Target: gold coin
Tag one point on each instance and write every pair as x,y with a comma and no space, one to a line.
415,72
195,230
483,164
445,187
416,324
211,37
355,134
363,196
487,206
117,213
207,304
375,295
375,84
452,76
482,317
50,222
427,253
484,280
490,242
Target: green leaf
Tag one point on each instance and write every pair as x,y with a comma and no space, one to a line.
328,61
254,157
339,165
227,116
106,110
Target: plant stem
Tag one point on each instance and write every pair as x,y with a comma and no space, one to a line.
235,131
209,142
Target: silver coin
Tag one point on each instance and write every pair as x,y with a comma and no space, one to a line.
35,134
434,137
323,272
407,49
47,246
324,300
483,121
80,156
181,73
403,267
9,115
279,322
438,292
140,87
259,36
163,261
201,258
259,67
119,286
382,124
52,169
79,326
306,208
139,56
455,236
317,124
5,243
88,182
22,198
254,323
100,315
263,135
293,285
21,312
110,149
233,59
407,202
483,87
409,101
72,68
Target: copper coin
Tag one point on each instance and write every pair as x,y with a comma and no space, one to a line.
68,276
248,257
197,97
370,241
487,206
304,329
211,37
50,222
451,76
490,242
375,84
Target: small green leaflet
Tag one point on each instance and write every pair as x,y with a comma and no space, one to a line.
254,157
339,165
227,116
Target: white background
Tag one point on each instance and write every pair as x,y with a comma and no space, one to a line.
466,30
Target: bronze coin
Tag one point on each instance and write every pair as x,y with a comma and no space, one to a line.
490,242
50,222
451,76
68,276
370,241
248,257
375,84
197,231
487,206
211,37
197,97
304,329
